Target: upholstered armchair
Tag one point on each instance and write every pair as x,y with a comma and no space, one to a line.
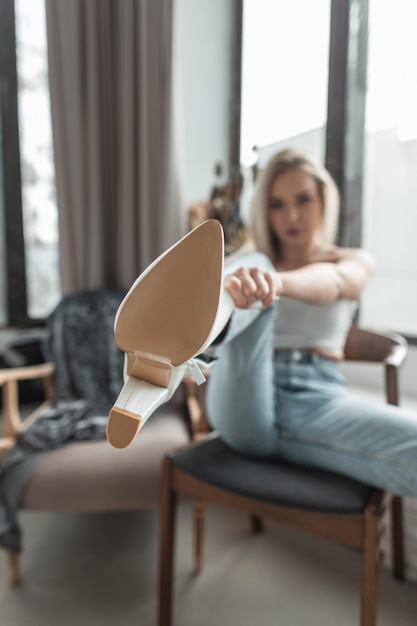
57,459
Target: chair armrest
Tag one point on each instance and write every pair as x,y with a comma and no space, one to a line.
43,370
399,351
388,349
9,379
392,364
6,443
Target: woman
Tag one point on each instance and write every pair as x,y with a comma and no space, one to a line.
276,389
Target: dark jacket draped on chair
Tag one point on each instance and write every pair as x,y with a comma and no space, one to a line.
88,378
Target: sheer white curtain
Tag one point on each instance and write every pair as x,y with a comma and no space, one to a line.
112,97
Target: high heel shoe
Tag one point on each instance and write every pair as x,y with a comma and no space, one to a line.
172,312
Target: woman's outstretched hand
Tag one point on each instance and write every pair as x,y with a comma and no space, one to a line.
250,284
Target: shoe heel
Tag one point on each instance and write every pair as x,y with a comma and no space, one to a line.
136,402
122,427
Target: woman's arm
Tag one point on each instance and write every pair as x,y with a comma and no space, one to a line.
320,282
323,282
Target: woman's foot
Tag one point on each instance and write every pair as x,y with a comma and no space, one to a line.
169,316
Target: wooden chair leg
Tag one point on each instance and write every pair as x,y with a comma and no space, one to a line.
166,548
370,570
257,524
397,538
14,569
199,517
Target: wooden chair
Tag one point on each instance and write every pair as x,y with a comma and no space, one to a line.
310,500
89,476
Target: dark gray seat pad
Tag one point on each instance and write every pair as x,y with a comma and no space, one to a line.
272,481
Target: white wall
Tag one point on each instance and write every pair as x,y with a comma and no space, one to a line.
204,29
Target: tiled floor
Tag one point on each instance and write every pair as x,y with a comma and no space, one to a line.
100,570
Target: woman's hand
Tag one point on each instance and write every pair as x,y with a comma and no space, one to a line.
250,284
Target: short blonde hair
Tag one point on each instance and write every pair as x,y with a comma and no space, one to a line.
285,160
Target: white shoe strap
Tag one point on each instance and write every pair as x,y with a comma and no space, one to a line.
195,372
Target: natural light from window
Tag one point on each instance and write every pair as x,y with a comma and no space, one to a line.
284,71
38,174
390,203
284,99
284,102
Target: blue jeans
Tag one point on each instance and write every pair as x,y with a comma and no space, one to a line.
294,405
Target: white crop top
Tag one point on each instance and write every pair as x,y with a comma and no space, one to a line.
300,325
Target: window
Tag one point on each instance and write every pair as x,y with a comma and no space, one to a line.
284,80
29,286
40,217
3,312
287,49
284,75
288,98
390,201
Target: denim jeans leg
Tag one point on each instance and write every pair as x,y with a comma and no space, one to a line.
370,441
240,390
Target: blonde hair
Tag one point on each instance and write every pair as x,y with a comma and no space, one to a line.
285,160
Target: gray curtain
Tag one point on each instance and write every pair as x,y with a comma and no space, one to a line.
111,74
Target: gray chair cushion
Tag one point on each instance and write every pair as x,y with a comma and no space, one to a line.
272,481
